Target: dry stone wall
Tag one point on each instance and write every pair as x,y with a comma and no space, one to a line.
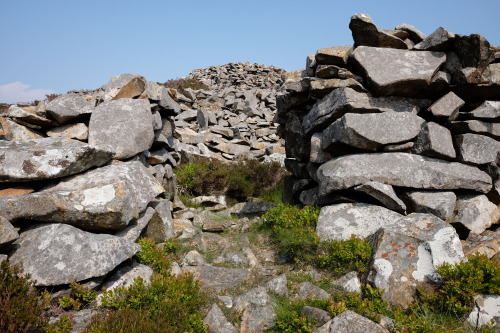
396,137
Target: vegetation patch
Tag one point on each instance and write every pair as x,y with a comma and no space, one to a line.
239,181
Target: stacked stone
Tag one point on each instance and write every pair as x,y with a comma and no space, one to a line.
397,138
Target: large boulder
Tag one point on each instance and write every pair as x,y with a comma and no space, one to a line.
372,131
48,158
397,72
341,221
124,124
408,252
56,254
400,169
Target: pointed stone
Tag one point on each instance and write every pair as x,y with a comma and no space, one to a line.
366,33
488,110
217,322
8,233
447,107
435,141
414,34
440,40
384,194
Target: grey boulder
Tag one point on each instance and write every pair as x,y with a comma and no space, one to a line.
365,32
477,149
476,213
48,158
440,40
397,72
69,107
384,193
350,322
435,140
400,169
217,322
439,203
56,254
341,221
446,108
124,124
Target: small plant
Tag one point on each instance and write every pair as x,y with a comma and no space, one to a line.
21,307
51,97
182,83
342,257
80,297
153,256
461,282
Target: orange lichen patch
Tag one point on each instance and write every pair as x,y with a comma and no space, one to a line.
13,191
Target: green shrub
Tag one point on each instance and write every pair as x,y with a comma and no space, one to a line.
181,84
461,282
21,307
80,296
239,181
342,257
153,256
167,304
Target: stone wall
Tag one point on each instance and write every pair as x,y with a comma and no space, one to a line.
397,137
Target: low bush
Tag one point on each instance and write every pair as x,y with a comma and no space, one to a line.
181,84
154,256
80,297
239,181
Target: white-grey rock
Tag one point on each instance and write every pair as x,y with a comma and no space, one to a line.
278,285
350,322
193,258
307,290
384,193
476,149
435,141
486,308
439,203
69,107
217,322
350,282
475,212
78,131
124,277
8,233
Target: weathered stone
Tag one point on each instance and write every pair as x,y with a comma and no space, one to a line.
349,321
12,131
28,116
400,169
446,108
16,190
124,124
486,309
365,32
440,40
219,278
69,107
322,87
373,130
134,88
341,221
278,285
402,147
435,141
217,322
336,55
477,149
211,201
161,226
7,232
384,194
308,290
258,311
475,212
115,84
193,258
125,276
232,257
488,110
55,254
476,126
414,34
334,72
48,158
232,148
319,315
296,144
350,282
318,155
408,252
479,244
437,203
78,131
134,229
474,50
346,100
397,72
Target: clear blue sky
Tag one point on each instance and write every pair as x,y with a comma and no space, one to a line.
60,45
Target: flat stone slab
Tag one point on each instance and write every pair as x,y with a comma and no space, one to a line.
439,203
397,72
400,169
219,278
69,107
477,149
48,158
341,221
373,130
383,193
125,124
56,254
350,321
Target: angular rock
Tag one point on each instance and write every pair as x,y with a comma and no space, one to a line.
219,278
161,226
318,155
250,208
12,131
28,116
124,124
16,190
474,50
446,108
477,149
193,258
341,221
334,72
69,107
258,311
134,229
475,212
336,55
350,282
278,285
414,34
438,203
134,88
476,126
78,131
319,315
440,40
125,276
486,309
397,72
350,321
488,110
8,233
365,32
408,252
384,194
55,254
115,84
308,290
48,158
322,87
400,169
217,322
232,257
373,130
346,100
435,141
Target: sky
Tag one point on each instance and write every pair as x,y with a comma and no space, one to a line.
54,46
